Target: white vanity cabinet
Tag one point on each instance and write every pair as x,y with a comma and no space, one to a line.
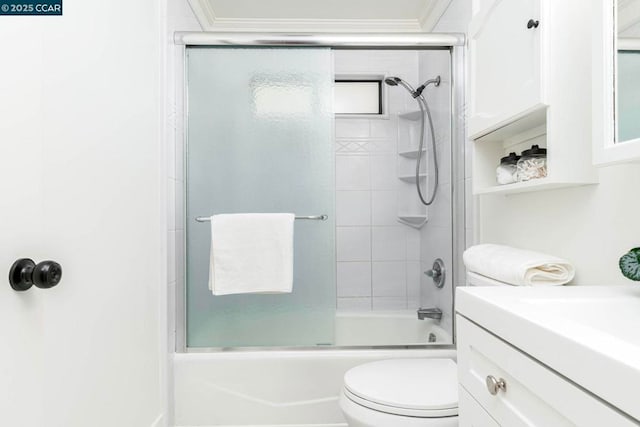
502,386
530,84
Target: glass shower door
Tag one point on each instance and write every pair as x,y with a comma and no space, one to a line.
260,139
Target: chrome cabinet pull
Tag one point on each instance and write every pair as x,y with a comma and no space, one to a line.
494,385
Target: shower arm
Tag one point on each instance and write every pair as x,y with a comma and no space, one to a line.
424,85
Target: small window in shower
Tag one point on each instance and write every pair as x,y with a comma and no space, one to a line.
358,97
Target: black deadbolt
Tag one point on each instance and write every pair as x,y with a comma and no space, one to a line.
532,24
25,273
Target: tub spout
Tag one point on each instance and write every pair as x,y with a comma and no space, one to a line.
431,313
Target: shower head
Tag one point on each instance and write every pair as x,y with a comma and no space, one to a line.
395,81
392,81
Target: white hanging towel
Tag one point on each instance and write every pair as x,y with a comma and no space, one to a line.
517,266
251,253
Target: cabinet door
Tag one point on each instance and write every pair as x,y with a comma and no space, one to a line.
471,413
505,62
533,395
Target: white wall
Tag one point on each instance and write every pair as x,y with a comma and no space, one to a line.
592,226
378,258
81,125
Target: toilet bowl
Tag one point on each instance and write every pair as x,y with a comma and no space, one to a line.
405,392
401,393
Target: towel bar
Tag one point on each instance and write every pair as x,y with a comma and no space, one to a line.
322,217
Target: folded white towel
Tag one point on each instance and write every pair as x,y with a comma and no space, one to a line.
251,253
517,266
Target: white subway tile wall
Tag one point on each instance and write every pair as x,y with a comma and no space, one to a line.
384,207
354,279
378,258
389,279
388,243
353,244
353,208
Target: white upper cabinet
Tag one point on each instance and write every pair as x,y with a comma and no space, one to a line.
505,56
530,84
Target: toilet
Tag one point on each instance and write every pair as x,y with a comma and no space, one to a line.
401,393
404,392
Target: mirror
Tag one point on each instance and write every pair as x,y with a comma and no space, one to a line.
616,81
627,71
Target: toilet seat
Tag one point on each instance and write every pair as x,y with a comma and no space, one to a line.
426,388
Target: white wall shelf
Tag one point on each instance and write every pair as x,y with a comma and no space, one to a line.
411,211
415,221
411,154
411,115
411,178
526,186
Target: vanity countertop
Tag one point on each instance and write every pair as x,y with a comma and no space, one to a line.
588,334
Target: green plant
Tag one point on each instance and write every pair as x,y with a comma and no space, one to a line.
630,264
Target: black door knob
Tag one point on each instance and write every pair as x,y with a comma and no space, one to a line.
25,273
532,24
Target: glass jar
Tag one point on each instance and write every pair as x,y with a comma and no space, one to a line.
532,164
506,172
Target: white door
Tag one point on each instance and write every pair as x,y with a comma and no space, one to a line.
505,62
80,184
21,315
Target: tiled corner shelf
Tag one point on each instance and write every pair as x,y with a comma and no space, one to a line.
410,211
411,178
415,221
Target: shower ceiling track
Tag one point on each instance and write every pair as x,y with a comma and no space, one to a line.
346,40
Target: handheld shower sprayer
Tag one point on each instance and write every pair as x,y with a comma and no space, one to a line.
424,108
395,81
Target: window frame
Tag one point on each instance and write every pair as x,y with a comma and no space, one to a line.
382,95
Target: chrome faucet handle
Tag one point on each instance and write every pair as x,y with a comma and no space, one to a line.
433,273
437,273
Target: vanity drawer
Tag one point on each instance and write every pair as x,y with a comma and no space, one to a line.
533,395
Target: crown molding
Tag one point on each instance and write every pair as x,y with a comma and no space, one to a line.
628,15
203,12
431,14
425,22
315,25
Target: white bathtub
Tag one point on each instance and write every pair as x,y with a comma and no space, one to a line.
386,328
289,388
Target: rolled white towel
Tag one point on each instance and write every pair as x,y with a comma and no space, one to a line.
517,266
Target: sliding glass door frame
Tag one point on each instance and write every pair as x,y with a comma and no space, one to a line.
455,43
